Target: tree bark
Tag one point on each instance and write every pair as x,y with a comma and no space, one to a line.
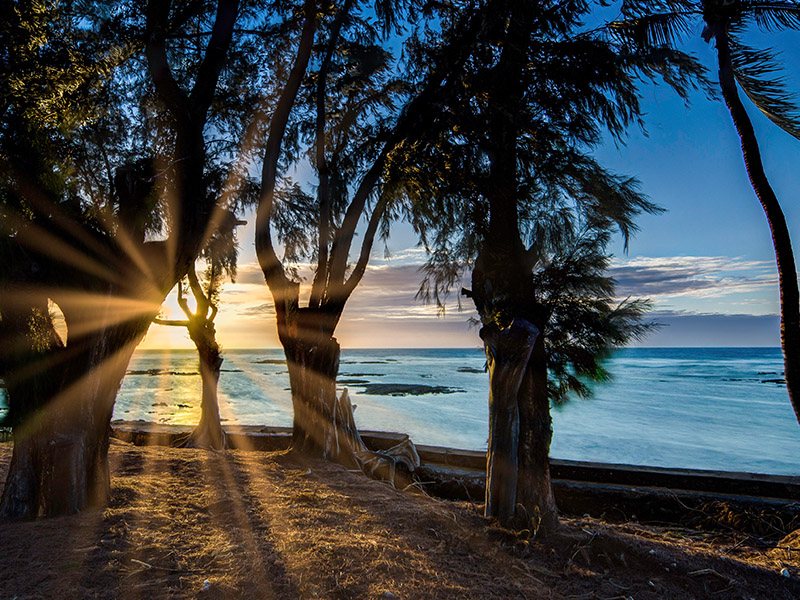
59,463
313,365
508,351
784,256
536,505
209,432
324,425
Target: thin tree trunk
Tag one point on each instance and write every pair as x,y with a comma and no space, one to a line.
209,432
784,256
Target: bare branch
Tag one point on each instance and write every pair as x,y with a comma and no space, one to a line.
197,292
171,323
183,303
366,246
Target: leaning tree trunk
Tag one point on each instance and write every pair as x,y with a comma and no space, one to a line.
784,256
209,432
59,463
536,505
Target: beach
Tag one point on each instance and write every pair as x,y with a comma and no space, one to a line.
195,524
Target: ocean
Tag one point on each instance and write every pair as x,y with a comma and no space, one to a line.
704,408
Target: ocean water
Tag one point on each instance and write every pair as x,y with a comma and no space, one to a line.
705,408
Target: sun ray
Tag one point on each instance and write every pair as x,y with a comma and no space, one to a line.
69,403
47,244
221,470
85,312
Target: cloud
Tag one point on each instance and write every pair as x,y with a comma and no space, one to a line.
697,276
383,310
249,273
262,310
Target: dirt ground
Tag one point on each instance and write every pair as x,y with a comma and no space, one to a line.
196,524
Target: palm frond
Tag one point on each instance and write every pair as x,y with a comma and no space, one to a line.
654,30
755,71
679,70
633,8
772,16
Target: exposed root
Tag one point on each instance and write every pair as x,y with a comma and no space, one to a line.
203,438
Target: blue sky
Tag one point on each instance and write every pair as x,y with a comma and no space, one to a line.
710,258
707,263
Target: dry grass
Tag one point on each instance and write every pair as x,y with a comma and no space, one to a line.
262,525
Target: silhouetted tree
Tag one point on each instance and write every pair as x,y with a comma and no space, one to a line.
754,70
220,256
344,99
89,254
510,193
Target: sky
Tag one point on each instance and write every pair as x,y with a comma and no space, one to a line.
707,263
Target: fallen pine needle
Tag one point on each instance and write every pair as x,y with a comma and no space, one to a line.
524,572
170,570
706,572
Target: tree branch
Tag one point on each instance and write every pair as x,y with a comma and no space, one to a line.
366,246
268,260
167,88
214,59
171,323
197,291
183,303
414,119
323,191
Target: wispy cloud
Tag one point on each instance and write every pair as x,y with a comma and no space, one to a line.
696,276
712,293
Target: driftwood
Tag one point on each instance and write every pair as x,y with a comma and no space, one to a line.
378,464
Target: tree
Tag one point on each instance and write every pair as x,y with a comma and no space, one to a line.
90,255
511,194
754,71
352,130
220,255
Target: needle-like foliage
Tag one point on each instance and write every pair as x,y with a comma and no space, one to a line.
511,195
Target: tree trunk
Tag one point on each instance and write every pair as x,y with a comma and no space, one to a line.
787,270
208,433
59,463
508,351
518,488
317,428
536,505
324,425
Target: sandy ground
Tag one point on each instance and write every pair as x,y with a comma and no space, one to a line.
196,524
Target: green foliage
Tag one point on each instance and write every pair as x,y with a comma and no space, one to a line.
87,156
357,79
584,318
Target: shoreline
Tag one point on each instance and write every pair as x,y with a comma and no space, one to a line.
272,438
614,492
